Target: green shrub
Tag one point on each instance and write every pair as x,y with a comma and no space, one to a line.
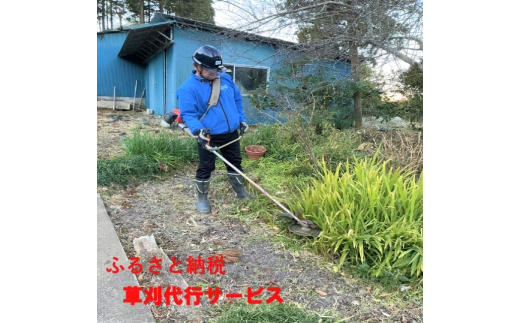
369,215
165,147
121,169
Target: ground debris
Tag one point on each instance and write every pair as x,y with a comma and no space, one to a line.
230,255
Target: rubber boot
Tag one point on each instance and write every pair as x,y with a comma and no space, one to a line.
237,182
202,195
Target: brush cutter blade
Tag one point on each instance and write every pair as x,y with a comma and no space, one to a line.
286,217
311,230
304,231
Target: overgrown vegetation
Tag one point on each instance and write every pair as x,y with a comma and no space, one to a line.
370,215
370,210
404,150
382,194
147,153
121,170
165,147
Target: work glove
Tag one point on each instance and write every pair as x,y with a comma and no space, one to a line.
203,135
203,139
243,128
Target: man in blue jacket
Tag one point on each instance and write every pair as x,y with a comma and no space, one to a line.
222,121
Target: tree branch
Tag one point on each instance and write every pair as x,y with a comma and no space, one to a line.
419,41
396,53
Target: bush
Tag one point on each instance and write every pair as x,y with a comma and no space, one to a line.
121,169
165,147
369,215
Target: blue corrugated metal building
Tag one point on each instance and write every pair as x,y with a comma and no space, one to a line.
158,56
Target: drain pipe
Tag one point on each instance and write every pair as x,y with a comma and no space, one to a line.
164,74
168,45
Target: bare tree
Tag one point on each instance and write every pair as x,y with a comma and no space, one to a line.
103,14
111,14
360,30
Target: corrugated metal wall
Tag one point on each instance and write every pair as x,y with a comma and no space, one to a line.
114,71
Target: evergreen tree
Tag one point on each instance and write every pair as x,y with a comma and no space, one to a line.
200,10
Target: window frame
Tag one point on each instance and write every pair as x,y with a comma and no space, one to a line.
253,67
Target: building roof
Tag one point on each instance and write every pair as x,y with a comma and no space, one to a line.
145,40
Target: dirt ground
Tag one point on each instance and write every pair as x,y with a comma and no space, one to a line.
165,207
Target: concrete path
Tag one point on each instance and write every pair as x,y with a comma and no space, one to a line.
110,293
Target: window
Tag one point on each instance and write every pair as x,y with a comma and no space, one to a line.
248,78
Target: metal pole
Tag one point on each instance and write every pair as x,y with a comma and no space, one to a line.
164,82
114,103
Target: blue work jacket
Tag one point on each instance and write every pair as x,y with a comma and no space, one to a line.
225,117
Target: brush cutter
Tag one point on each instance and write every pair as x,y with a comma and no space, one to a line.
301,227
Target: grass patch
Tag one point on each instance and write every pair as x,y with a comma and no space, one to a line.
278,175
165,147
267,313
121,170
335,147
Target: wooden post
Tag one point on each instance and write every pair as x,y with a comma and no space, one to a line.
135,93
114,104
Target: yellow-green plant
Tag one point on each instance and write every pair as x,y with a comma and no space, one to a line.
369,214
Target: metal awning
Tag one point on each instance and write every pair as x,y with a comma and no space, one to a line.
143,42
